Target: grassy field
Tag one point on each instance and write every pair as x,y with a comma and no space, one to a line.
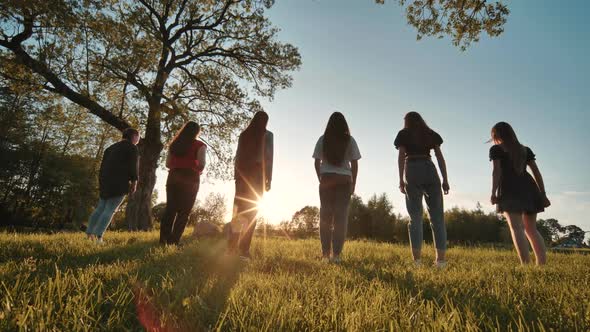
64,282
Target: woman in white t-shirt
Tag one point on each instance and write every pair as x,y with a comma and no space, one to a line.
336,157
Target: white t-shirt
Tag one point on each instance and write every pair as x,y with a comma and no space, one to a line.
352,153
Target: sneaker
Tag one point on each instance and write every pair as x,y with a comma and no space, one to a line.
336,259
325,258
245,258
417,263
99,241
440,264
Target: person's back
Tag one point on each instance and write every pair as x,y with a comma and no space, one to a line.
419,179
186,161
117,178
516,193
118,167
253,176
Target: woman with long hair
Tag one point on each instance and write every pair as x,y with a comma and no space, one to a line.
253,176
186,161
418,178
336,157
516,193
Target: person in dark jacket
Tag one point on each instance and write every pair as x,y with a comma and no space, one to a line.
117,178
186,161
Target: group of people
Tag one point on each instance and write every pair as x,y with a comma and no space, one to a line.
516,194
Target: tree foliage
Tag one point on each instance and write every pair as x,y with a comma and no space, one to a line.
153,63
304,222
462,20
49,161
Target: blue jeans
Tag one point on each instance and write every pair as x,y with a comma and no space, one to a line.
421,180
102,215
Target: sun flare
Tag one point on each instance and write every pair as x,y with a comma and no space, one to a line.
267,208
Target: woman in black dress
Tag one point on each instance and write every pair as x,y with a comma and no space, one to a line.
516,193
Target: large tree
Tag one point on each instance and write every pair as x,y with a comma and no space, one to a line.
155,63
152,63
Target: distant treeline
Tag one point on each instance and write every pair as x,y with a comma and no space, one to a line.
376,220
50,151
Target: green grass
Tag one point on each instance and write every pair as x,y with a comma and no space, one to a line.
65,283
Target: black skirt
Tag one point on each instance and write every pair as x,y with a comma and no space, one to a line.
521,195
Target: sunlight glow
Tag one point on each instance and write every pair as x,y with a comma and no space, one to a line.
270,208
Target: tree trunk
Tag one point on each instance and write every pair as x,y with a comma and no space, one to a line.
139,205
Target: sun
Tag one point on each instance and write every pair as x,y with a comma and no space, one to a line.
267,208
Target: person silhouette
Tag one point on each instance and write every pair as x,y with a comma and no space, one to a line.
418,178
516,194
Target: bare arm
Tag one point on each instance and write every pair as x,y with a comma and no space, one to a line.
442,165
354,166
168,159
539,179
317,164
401,165
496,175
537,175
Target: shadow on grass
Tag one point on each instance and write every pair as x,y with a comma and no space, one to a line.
189,288
481,304
174,288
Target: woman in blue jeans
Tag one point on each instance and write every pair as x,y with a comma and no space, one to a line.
418,178
336,157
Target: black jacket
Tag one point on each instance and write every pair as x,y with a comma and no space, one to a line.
118,168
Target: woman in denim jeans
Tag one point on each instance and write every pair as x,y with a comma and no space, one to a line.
418,178
336,157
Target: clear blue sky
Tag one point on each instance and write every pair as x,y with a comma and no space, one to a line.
363,60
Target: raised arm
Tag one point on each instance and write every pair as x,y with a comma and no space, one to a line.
442,165
401,165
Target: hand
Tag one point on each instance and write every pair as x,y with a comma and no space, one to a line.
445,187
402,187
545,200
494,199
267,186
352,188
132,188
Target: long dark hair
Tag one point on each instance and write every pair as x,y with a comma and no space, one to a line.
336,139
420,133
503,134
251,141
183,139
